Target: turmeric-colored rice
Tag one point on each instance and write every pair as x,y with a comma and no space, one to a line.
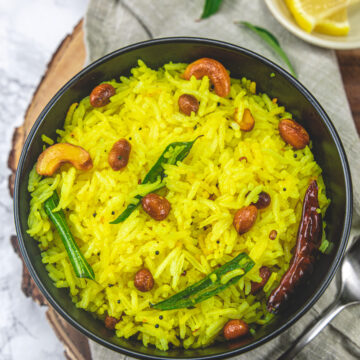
204,190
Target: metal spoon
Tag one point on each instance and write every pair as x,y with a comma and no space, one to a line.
349,295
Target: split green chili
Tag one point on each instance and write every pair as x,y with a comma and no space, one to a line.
81,267
174,152
212,284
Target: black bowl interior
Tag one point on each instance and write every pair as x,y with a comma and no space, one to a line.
326,147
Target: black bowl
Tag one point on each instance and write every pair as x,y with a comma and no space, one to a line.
327,147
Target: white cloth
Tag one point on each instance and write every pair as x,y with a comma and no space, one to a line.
112,24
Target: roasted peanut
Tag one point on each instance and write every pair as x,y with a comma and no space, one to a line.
247,122
214,70
264,273
212,197
144,281
245,218
156,206
119,154
293,134
263,201
101,94
273,235
187,104
56,155
110,322
234,329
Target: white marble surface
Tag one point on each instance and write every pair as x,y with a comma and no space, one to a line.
30,31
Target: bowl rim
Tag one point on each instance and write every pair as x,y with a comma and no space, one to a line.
203,41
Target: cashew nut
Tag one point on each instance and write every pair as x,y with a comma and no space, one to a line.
214,70
247,122
56,155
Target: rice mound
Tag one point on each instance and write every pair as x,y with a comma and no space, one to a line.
204,190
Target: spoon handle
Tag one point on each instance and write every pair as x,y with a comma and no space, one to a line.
314,330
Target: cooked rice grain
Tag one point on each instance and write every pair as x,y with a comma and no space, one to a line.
198,234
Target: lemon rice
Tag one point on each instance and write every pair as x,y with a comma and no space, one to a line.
204,190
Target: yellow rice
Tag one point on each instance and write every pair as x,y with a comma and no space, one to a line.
198,234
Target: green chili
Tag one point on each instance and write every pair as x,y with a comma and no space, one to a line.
81,267
174,152
217,281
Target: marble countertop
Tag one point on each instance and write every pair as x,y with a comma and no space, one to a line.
30,32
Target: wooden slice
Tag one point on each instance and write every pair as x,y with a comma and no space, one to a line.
68,60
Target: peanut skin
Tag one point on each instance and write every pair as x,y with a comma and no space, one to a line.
234,329
264,273
110,322
156,206
119,154
273,235
264,200
187,104
56,155
245,218
144,280
101,94
293,134
214,70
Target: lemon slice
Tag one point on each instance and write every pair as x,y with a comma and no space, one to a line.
336,24
326,16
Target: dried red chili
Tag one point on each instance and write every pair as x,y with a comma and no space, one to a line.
307,245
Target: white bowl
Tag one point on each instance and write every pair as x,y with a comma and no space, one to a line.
351,41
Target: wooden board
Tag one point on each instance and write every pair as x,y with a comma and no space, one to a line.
68,60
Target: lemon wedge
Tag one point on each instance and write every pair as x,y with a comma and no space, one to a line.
325,16
336,24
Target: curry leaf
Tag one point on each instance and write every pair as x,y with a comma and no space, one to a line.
173,153
272,41
210,8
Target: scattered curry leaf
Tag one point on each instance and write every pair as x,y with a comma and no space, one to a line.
210,8
272,41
